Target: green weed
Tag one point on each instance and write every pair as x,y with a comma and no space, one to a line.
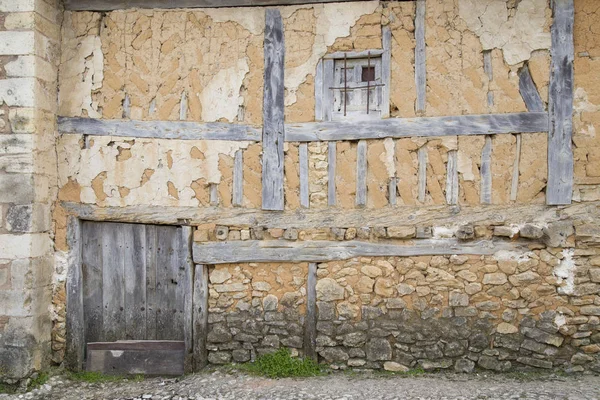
282,365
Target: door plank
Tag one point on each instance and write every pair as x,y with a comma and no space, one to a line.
113,298
92,280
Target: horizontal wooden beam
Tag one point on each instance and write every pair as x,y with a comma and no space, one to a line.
159,129
484,124
109,5
323,250
441,215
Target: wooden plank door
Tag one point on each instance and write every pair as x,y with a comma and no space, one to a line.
137,282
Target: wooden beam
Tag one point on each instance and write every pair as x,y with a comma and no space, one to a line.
433,215
485,195
353,54
514,188
361,174
323,250
273,113
310,324
422,158
386,69
483,124
303,159
187,239
110,5
331,161
158,129
452,178
200,316
487,68
393,191
238,179
74,320
529,93
560,106
420,66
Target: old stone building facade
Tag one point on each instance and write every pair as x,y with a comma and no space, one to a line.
443,217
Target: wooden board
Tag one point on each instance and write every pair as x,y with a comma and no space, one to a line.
310,322
113,284
529,93
75,325
323,250
200,316
483,124
331,163
361,174
386,69
109,5
420,66
418,127
137,357
303,160
486,172
452,178
430,215
273,113
134,280
158,129
560,106
422,159
238,179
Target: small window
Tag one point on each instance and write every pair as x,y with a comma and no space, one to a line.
351,86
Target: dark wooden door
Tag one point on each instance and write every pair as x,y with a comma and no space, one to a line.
137,282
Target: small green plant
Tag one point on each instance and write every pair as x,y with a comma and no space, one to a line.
282,365
97,377
7,389
39,380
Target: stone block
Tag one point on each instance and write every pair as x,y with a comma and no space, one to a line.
395,367
17,5
401,232
18,92
329,290
378,349
464,365
219,357
535,362
556,234
488,362
530,231
24,246
334,354
458,299
20,21
465,232
506,231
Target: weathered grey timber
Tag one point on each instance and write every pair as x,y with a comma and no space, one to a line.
238,178
361,174
487,68
485,124
319,94
440,215
386,73
331,161
158,129
420,66
529,93
200,316
109,5
213,194
92,289
323,250
75,307
136,357
303,159
515,176
113,281
485,196
560,106
186,265
151,301
393,191
327,98
134,277
422,158
273,113
353,54
452,178
315,131
310,322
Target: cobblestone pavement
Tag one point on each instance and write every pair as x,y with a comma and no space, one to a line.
224,385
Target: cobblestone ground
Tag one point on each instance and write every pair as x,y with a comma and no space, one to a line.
224,385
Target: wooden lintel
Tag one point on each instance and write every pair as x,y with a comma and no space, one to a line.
110,5
324,250
438,215
483,124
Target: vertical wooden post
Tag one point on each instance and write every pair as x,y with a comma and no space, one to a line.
452,178
420,66
310,324
273,113
200,316
422,157
560,106
188,306
393,190
74,322
361,173
485,197
238,179
386,69
331,160
304,197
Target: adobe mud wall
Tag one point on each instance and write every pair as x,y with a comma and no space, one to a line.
537,307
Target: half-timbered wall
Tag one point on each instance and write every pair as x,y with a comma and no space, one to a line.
458,232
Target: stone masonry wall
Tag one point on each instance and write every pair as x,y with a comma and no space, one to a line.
534,308
29,49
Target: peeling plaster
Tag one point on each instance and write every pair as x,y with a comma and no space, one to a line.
221,96
388,158
251,18
565,272
334,20
84,165
517,35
